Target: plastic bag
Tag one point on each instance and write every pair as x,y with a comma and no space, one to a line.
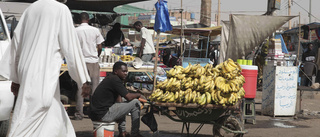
150,120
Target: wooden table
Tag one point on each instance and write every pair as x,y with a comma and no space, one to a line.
109,69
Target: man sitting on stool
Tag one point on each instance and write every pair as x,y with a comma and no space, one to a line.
106,103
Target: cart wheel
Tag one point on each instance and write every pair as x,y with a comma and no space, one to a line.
229,122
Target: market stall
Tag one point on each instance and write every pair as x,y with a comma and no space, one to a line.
240,40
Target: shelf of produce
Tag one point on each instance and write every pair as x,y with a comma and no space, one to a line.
109,69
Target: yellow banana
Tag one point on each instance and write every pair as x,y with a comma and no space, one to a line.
203,100
181,76
208,95
231,62
223,101
194,97
171,98
176,95
159,98
239,67
187,96
198,97
187,69
159,93
218,94
213,96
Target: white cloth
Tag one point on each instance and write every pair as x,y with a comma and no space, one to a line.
149,46
45,34
89,38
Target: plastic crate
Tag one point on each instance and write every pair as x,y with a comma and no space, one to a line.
201,61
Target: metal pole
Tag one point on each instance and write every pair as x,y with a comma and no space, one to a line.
310,11
181,33
289,12
310,20
219,10
298,55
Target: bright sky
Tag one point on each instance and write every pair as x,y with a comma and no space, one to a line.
256,7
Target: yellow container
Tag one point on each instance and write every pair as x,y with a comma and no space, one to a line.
239,61
249,62
244,62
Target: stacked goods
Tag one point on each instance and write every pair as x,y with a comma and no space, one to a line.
220,85
126,58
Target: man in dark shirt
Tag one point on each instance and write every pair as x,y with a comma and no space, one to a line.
309,55
106,102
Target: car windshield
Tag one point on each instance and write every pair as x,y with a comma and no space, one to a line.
3,34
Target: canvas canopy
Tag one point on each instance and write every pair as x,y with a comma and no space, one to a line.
249,31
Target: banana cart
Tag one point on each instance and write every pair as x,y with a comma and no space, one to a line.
225,119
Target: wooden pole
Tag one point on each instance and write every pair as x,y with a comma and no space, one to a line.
156,62
181,33
289,12
298,55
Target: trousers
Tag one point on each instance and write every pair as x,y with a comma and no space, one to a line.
94,73
118,111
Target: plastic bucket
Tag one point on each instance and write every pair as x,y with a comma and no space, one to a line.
103,129
250,73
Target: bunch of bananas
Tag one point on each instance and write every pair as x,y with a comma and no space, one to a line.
227,86
176,72
223,99
229,69
202,85
126,58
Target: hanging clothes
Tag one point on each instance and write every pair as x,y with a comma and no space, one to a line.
162,20
44,35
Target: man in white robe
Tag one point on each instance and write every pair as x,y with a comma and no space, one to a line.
43,37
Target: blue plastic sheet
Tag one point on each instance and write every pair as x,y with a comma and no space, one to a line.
162,21
283,45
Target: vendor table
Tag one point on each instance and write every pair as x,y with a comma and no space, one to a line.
302,89
109,69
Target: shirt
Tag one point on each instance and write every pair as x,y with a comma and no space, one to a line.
309,56
89,38
105,96
148,47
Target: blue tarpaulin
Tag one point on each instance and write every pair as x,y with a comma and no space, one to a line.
162,20
283,45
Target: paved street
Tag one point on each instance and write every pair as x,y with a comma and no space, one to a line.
307,125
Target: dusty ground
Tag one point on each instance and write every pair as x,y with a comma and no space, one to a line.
307,125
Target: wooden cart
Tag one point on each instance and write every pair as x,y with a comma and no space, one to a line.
225,119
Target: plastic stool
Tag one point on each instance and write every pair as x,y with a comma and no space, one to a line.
248,110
